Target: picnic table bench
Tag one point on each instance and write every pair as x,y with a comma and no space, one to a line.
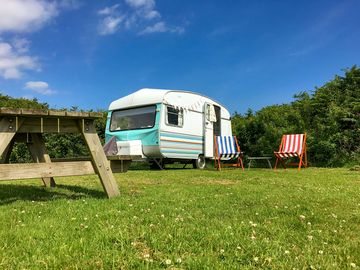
267,158
29,125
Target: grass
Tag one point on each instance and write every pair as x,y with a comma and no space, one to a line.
185,219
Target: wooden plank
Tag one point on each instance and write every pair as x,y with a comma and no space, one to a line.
37,112
100,162
71,159
39,155
57,113
124,157
9,111
50,125
48,113
41,170
78,114
96,114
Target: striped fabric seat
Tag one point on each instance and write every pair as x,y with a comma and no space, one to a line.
227,148
292,145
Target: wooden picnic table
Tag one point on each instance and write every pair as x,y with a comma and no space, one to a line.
28,125
267,158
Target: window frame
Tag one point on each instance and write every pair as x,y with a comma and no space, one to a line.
126,109
180,112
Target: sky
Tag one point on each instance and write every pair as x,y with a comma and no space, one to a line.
244,54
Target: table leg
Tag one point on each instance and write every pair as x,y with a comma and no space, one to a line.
269,164
249,163
39,155
100,162
8,128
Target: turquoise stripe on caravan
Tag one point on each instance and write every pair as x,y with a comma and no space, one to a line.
180,151
182,136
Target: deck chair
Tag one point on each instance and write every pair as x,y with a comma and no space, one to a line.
227,148
292,145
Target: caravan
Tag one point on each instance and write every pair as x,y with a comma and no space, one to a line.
167,126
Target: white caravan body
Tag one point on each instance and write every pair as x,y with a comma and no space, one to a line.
167,124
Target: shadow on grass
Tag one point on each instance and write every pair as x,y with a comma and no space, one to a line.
12,193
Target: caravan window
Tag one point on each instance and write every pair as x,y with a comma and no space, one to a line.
137,118
174,116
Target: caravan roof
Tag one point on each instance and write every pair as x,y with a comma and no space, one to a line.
147,96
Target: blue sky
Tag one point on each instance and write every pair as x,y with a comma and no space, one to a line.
245,54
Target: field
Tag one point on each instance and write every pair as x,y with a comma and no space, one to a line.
185,219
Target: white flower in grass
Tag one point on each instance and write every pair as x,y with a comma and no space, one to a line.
310,237
256,259
162,215
302,217
135,217
96,215
353,265
178,260
321,252
333,215
309,223
222,251
252,224
238,247
85,218
22,212
287,252
146,255
167,261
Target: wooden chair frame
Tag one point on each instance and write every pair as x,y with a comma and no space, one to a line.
303,162
217,158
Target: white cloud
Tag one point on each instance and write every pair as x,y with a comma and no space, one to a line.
25,15
39,87
108,10
141,3
13,61
140,15
109,25
161,27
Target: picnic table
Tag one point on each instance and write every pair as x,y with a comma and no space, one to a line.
28,126
267,158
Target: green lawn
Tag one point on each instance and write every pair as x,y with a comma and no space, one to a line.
185,219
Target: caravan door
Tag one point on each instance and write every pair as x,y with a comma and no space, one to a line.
209,130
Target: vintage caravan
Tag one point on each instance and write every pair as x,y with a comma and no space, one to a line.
166,126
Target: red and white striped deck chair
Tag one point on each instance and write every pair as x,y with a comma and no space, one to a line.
292,145
227,148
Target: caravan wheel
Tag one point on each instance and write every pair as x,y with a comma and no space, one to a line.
200,162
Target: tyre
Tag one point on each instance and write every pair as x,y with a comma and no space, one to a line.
200,162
